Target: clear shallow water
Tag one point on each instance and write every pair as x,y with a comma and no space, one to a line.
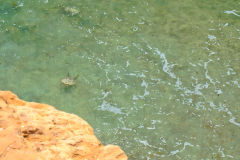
158,78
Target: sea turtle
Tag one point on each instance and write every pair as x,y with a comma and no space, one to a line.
71,10
69,81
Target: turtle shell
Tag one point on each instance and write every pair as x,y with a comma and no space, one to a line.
68,81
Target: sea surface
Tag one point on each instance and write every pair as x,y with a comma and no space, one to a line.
159,78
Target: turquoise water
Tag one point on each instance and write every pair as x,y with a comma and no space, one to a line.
159,78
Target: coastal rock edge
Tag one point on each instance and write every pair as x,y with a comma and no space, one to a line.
34,131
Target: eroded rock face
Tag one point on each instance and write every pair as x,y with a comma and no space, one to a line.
33,131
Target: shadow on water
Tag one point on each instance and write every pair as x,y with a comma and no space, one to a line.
67,89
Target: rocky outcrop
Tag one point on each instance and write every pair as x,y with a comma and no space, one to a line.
33,131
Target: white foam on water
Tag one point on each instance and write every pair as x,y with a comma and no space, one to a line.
100,41
20,4
174,152
212,53
108,79
145,143
218,91
194,65
105,106
127,63
140,75
236,83
230,71
199,87
166,66
135,97
206,72
144,84
232,12
233,120
125,86
167,69
118,19
105,94
201,105
223,108
211,37
146,92
223,155
184,147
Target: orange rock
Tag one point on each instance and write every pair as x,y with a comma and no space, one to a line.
33,131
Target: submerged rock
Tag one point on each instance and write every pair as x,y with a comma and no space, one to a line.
33,131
